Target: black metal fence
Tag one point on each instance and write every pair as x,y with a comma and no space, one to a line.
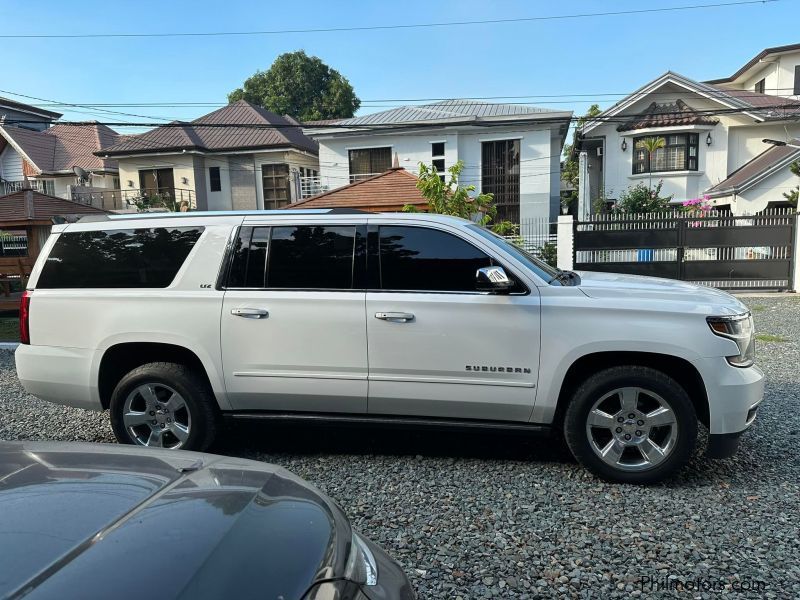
717,249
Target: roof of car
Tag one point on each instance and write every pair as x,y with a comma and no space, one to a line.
78,516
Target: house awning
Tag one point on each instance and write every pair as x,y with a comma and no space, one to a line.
762,166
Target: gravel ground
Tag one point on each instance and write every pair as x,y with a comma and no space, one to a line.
506,516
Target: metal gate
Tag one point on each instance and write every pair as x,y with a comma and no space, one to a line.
720,250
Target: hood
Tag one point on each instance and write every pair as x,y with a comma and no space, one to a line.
92,518
617,285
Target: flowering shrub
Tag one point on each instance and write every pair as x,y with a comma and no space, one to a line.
701,205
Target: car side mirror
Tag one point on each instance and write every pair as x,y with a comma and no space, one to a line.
492,279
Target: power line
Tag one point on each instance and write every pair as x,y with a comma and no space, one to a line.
382,27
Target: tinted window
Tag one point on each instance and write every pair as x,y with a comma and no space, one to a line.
415,258
301,257
317,257
541,268
121,258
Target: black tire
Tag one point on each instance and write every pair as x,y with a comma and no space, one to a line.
606,381
198,398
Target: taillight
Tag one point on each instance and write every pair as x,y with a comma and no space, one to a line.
25,317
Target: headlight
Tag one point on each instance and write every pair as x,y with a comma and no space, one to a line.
361,566
738,328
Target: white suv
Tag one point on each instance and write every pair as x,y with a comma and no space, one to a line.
173,321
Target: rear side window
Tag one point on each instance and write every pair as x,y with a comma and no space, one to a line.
421,259
296,257
120,258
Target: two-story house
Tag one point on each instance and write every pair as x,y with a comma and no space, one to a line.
512,151
25,116
713,134
240,157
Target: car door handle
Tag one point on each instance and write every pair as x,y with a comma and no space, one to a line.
250,313
398,317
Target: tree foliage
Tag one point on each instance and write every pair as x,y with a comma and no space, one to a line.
301,86
791,196
449,198
570,171
641,198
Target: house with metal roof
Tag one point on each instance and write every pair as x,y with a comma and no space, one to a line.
25,116
713,134
512,151
239,157
57,160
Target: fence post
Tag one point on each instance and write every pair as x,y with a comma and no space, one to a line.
795,283
564,242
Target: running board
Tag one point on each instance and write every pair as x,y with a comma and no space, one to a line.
387,420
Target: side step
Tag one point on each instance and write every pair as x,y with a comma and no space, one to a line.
387,421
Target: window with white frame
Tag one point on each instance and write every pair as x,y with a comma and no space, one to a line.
679,153
366,162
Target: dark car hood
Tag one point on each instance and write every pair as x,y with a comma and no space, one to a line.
99,521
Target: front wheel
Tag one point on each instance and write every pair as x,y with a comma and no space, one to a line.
631,424
163,405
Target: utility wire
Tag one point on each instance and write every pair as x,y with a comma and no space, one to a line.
381,27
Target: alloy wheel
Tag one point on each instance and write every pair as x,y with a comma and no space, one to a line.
632,429
156,415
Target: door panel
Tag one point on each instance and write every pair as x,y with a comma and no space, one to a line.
308,354
461,356
437,346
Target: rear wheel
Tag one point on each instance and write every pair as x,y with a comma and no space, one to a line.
163,405
631,424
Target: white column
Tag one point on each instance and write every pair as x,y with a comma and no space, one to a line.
565,242
584,201
796,257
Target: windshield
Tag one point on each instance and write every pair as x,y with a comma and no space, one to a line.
538,266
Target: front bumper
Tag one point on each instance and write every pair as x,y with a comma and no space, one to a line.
733,394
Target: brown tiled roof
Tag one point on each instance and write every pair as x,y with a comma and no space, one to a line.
777,106
386,192
667,115
260,129
13,207
62,147
750,173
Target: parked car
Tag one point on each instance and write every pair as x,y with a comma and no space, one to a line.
171,321
105,521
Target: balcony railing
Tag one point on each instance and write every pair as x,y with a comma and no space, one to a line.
142,199
311,186
44,187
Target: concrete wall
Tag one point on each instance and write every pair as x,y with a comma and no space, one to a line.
539,159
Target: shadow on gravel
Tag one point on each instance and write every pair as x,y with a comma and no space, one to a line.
252,436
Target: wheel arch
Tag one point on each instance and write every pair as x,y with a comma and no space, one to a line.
679,369
121,358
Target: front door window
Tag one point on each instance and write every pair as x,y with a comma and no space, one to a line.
157,182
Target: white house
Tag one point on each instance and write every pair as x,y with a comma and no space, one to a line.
512,151
713,133
239,157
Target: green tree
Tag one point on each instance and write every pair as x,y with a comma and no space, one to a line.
642,199
449,198
301,86
651,144
791,196
569,171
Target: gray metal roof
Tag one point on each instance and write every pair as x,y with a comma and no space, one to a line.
457,111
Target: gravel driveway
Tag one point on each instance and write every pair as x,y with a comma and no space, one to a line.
506,516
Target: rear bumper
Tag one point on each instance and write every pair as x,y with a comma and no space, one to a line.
58,375
733,395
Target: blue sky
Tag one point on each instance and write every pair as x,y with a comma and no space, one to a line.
598,55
